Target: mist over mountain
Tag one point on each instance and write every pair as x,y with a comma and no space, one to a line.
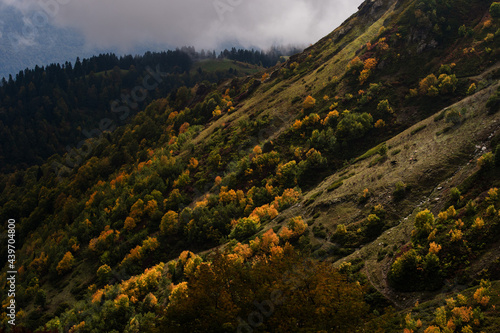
41,32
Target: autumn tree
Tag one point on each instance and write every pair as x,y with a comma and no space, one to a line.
368,66
309,103
129,223
385,108
169,223
66,263
137,209
287,174
355,65
245,227
424,223
226,294
297,226
104,273
428,85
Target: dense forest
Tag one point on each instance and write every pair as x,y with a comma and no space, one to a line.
352,187
49,109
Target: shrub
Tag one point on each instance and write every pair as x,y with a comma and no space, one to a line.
455,195
445,69
493,103
400,191
309,102
384,107
424,223
314,161
380,123
297,226
364,196
427,83
486,161
355,65
103,273
447,83
374,226
454,116
382,151
404,273
41,298
289,197
323,140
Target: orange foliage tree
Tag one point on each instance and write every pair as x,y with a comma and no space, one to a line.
129,223
309,103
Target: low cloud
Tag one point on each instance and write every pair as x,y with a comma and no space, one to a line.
126,24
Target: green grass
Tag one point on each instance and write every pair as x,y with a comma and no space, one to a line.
313,198
335,186
123,72
395,152
212,65
418,129
369,153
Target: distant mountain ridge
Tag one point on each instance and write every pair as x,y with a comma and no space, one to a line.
22,47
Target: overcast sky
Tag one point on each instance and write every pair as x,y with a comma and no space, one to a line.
125,24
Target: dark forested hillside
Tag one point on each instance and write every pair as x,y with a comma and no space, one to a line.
47,110
351,188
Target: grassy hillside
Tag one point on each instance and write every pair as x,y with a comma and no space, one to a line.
212,65
329,193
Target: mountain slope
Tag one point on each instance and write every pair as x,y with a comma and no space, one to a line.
226,196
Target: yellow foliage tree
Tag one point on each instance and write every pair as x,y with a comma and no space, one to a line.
309,102
297,225
137,209
169,223
129,223
428,85
66,263
151,207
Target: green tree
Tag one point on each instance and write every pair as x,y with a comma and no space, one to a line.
41,298
495,10
169,223
244,228
104,273
424,223
354,126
